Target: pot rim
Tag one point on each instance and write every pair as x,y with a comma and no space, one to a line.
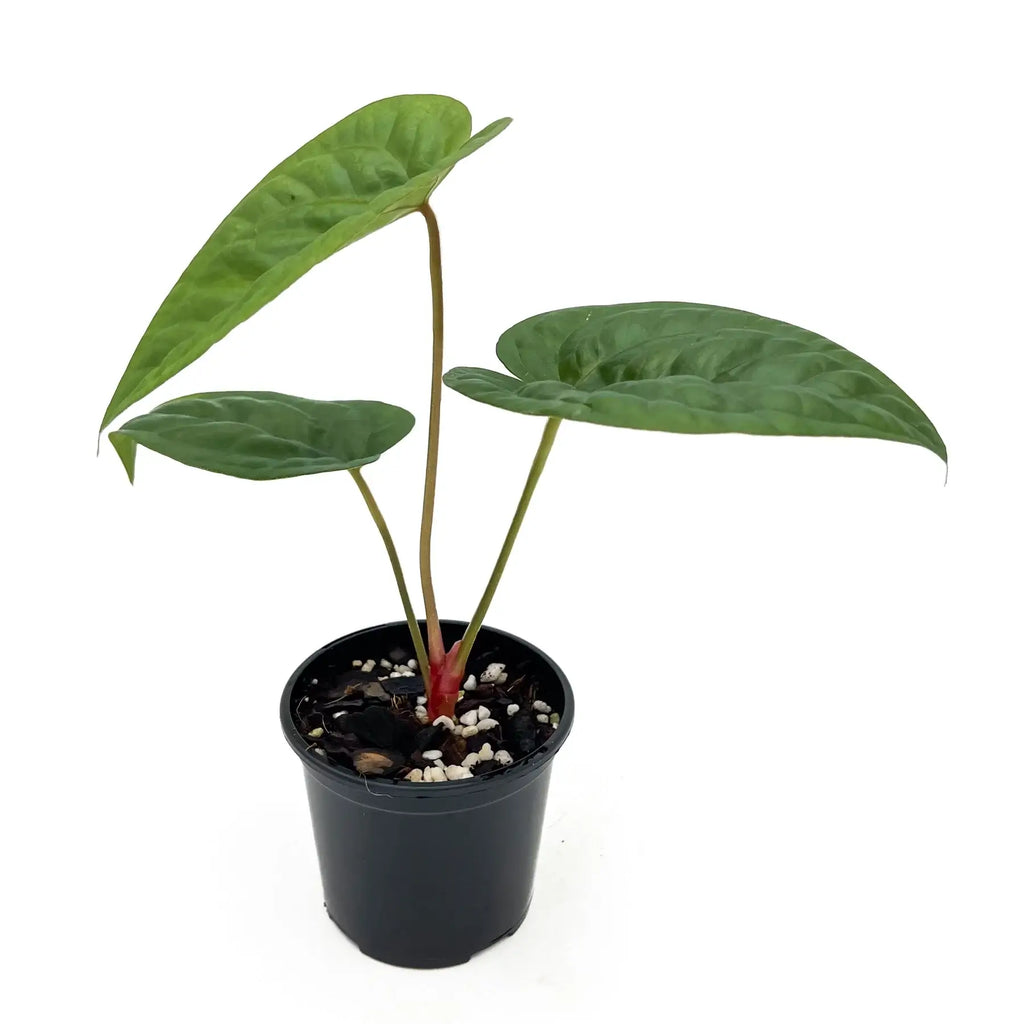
519,770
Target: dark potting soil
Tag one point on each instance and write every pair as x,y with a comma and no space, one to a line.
366,721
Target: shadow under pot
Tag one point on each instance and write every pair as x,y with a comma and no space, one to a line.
428,874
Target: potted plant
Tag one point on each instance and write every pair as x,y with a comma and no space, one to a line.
427,743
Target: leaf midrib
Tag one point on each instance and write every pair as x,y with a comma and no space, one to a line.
574,397
187,422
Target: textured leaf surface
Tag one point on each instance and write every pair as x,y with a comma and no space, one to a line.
693,369
370,169
261,435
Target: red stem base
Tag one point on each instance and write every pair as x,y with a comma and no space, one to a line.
444,685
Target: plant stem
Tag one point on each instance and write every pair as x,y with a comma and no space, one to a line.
469,638
434,640
396,566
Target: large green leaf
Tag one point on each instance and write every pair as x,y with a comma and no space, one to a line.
261,435
370,169
693,369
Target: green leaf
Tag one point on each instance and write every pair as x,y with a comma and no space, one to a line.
370,169
693,369
261,435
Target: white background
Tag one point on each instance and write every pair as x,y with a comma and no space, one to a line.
794,791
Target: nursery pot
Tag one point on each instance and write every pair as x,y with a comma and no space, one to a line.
427,874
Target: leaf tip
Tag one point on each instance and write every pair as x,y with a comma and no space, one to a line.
126,448
495,128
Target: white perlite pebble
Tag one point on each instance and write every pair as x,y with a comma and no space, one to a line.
482,713
421,715
416,775
421,700
555,719
369,666
445,721
543,719
453,772
469,730
436,774
470,683
458,730
469,760
503,757
487,723
384,663
486,753
544,709
491,673
503,678
395,675
469,718
432,755
512,709
412,663
315,734
357,663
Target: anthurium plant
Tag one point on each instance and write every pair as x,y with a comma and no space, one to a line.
681,367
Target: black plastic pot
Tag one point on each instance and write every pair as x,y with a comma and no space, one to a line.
427,874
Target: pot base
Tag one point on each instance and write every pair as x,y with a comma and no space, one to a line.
385,956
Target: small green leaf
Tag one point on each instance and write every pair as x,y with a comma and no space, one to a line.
368,170
261,435
693,369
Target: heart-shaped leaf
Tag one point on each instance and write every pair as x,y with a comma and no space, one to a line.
261,435
370,169
693,369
